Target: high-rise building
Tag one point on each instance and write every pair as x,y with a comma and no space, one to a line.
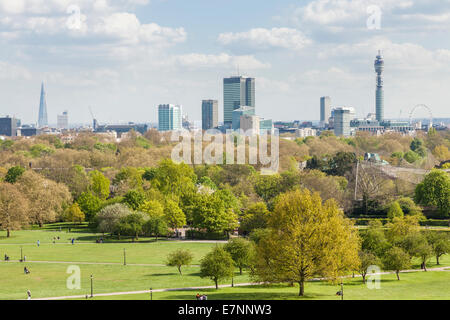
8,127
325,110
379,69
237,91
170,117
43,118
238,113
63,121
210,114
342,118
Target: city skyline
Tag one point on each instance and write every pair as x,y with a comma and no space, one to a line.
127,57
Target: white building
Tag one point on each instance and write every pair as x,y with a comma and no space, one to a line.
305,132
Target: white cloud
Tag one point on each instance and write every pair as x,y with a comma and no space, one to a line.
286,38
197,60
10,71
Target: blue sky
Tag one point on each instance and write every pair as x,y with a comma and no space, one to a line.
124,57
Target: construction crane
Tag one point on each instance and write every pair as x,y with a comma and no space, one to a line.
94,121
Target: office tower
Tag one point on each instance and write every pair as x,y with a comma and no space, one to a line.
342,118
170,117
236,116
379,69
237,91
43,119
8,127
266,126
63,120
210,114
325,110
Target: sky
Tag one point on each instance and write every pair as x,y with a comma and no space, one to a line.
124,57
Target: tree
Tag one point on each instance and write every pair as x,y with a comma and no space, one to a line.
47,198
308,238
341,163
400,228
441,152
134,199
217,265
180,258
435,191
411,156
153,208
90,205
99,185
109,217
409,207
367,259
14,174
255,217
156,226
174,216
440,244
395,210
416,245
210,213
13,208
132,225
240,251
74,214
374,239
396,259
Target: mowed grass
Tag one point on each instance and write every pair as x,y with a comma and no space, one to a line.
50,280
412,286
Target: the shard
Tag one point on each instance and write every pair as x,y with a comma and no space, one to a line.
43,119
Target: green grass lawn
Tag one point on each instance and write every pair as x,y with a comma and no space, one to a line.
49,280
412,286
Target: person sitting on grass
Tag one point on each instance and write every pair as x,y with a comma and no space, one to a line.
6,257
25,270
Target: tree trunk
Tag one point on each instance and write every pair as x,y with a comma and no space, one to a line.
179,270
8,233
217,284
364,278
398,275
437,260
302,289
240,271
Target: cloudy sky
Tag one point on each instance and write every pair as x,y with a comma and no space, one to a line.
123,57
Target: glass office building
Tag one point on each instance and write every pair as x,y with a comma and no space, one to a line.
210,114
170,117
237,91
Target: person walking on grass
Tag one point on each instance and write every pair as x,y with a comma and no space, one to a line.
29,295
38,243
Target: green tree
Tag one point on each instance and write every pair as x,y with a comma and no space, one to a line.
409,207
156,226
341,163
174,216
440,244
308,238
217,266
411,156
374,239
396,259
180,258
14,173
134,199
132,225
255,217
240,251
395,210
367,259
74,214
435,191
153,208
90,205
99,185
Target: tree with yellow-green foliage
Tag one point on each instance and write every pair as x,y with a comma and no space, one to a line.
74,214
153,208
13,208
308,238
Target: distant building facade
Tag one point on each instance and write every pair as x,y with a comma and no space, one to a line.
170,117
237,91
63,121
210,114
238,113
325,111
342,118
250,124
305,132
43,118
8,127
